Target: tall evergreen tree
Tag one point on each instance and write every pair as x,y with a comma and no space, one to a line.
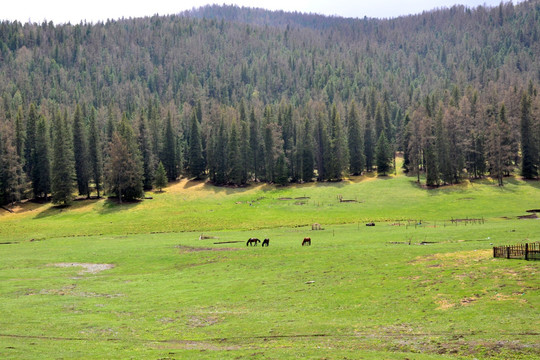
124,168
220,158
41,172
63,168
12,176
307,153
195,157
269,154
146,153
529,153
356,143
169,151
254,145
19,133
338,148
282,177
384,155
94,151
80,151
160,180
234,171
30,143
244,151
322,149
443,149
369,146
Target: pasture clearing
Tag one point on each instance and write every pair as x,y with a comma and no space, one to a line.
357,292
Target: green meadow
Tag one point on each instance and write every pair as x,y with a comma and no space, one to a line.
172,278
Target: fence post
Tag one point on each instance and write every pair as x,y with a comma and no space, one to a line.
526,251
508,252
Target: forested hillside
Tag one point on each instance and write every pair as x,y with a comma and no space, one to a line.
238,95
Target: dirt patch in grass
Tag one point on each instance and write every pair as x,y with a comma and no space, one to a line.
456,258
194,345
188,249
467,301
198,321
87,267
71,290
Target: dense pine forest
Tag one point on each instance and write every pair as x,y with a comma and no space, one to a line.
238,95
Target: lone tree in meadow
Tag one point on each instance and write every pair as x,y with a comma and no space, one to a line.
160,180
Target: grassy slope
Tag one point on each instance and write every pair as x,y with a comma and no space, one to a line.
370,298
191,206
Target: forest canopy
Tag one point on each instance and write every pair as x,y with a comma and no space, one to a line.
237,95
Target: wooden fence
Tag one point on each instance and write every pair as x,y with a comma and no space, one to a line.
529,251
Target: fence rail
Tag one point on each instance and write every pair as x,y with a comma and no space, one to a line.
528,251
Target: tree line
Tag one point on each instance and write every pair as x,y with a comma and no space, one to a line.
239,95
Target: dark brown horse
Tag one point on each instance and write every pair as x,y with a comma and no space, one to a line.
370,224
266,242
253,242
307,241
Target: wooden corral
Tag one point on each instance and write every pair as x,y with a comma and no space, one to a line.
528,251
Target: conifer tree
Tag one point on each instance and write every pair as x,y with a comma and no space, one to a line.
254,145
146,153
124,169
80,151
432,170
195,157
41,172
415,145
269,154
12,176
94,151
529,153
19,133
244,151
169,151
384,155
160,180
338,149
356,143
30,143
443,150
307,153
63,168
369,147
322,149
220,151
282,177
234,171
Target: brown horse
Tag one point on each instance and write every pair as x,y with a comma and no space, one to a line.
266,242
307,241
253,242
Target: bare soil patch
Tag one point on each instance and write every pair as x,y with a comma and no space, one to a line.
194,345
87,267
188,249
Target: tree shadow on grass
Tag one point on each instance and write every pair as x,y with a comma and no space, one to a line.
112,205
59,209
522,182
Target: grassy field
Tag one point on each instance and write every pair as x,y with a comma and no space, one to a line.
135,281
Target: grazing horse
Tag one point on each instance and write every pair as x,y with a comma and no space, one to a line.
370,224
253,242
307,241
266,242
